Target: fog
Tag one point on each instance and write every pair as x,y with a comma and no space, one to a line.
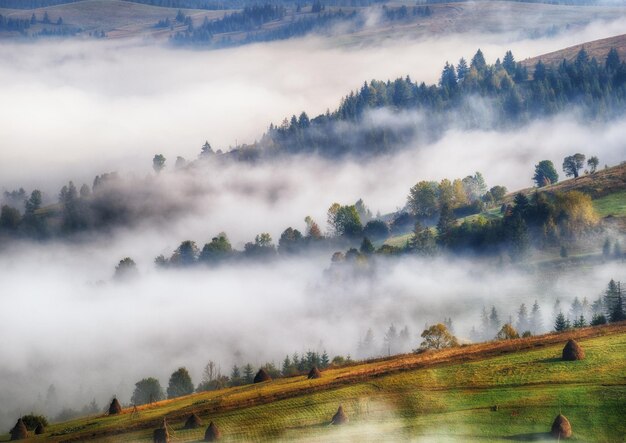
93,339
77,109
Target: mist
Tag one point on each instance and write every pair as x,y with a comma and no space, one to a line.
77,109
81,107
96,338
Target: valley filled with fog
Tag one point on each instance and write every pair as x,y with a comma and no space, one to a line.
73,111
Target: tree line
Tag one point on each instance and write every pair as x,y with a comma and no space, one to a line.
513,95
22,25
251,20
459,216
149,390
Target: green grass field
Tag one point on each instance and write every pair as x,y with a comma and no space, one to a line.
613,204
443,400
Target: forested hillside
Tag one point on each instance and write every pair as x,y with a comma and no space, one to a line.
469,95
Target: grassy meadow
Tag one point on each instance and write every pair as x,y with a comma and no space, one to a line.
435,396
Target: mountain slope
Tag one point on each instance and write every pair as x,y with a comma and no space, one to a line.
442,395
596,48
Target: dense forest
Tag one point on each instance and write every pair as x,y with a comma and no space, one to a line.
512,93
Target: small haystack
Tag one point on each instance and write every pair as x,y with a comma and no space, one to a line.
212,433
340,417
115,407
262,376
39,429
573,351
561,427
19,431
161,435
193,422
314,373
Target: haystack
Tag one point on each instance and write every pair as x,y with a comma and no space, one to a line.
193,422
115,407
314,373
161,435
19,431
39,429
573,351
262,376
340,417
561,427
212,433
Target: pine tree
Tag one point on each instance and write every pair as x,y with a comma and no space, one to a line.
522,318
286,369
508,63
535,320
478,61
598,319
613,301
207,150
448,78
461,69
577,309
613,62
235,376
248,373
560,324
446,223
325,361
494,322
617,314
580,322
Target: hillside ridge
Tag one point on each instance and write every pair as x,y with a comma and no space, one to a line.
291,387
595,48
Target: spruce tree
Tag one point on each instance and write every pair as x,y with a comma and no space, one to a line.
535,320
248,373
560,323
522,318
445,225
617,314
